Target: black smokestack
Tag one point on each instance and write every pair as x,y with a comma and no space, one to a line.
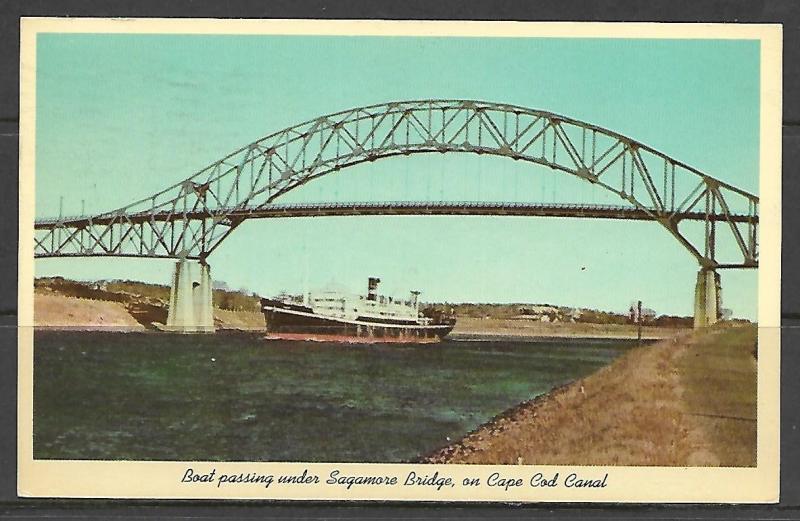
372,288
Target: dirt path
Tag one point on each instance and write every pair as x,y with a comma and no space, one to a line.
640,410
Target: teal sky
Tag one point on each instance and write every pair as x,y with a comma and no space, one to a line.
122,116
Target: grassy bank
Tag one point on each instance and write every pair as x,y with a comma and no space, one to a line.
685,401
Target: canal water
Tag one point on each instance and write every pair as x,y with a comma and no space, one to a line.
234,396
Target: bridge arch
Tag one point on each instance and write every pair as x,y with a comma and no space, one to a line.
191,218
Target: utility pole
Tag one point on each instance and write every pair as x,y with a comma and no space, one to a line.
639,321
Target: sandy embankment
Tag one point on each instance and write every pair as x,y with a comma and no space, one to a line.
62,312
468,326
685,401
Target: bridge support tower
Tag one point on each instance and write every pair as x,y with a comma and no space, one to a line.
707,298
190,299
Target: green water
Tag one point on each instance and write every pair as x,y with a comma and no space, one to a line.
148,396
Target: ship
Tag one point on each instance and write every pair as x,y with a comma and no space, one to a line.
342,317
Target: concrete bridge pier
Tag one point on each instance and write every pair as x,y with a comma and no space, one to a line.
707,298
190,299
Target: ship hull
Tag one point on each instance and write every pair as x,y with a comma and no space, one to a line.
297,323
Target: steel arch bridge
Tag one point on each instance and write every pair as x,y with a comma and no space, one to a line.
190,219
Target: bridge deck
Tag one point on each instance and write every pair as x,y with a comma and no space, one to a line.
397,208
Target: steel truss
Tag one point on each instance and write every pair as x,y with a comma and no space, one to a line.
190,219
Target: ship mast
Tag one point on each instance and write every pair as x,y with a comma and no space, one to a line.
415,300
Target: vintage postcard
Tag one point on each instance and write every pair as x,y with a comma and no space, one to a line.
417,261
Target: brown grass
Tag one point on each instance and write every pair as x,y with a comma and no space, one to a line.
640,410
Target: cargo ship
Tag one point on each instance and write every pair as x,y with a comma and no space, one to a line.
342,317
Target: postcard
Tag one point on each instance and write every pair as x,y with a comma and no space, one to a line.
408,261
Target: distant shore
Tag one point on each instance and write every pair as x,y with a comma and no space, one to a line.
467,327
56,311
689,400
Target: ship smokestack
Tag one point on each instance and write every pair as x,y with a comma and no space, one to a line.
372,288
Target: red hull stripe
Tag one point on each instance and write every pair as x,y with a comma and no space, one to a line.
318,337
